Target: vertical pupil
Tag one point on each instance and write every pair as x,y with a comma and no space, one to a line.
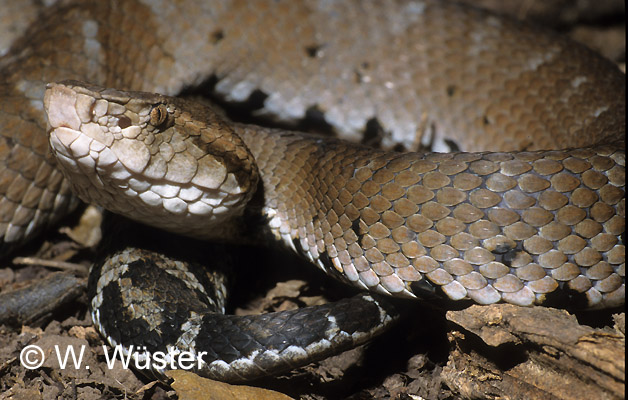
157,115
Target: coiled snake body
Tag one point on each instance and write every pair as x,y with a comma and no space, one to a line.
525,223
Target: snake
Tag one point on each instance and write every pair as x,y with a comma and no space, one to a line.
529,209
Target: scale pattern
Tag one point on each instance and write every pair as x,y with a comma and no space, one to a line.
492,227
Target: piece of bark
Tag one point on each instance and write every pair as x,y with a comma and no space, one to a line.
36,301
533,353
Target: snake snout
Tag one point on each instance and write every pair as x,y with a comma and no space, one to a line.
59,103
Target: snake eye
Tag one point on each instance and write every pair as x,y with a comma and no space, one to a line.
158,115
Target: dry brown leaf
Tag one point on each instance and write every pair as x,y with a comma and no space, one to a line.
190,386
87,232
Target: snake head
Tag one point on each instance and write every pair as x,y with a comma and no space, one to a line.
149,157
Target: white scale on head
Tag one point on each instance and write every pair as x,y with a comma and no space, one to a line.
109,165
